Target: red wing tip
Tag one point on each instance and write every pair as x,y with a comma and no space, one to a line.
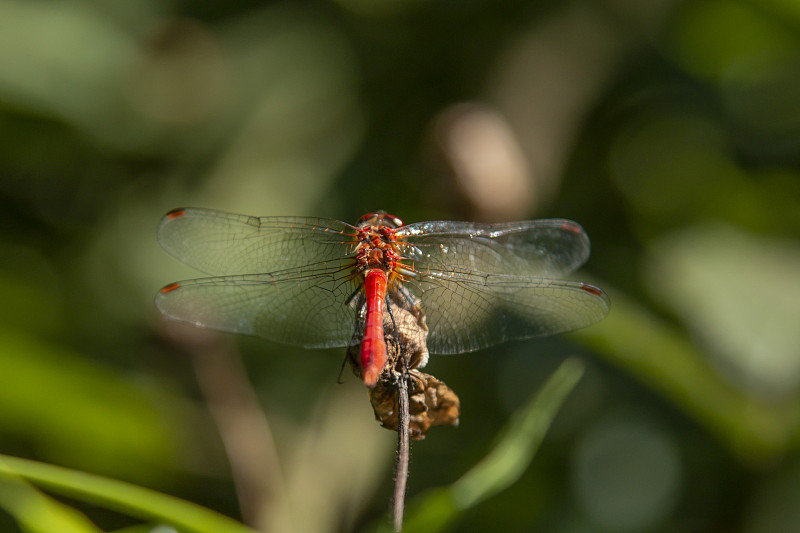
169,288
597,291
175,213
571,226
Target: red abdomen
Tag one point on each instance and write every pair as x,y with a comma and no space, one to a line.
373,347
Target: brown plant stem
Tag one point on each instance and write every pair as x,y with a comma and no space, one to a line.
242,424
403,448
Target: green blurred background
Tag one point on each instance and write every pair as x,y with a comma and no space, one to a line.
670,130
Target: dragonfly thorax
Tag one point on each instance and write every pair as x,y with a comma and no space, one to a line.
377,248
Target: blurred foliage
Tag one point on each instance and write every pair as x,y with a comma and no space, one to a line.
39,513
670,130
516,446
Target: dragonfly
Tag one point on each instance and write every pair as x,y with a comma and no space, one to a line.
311,282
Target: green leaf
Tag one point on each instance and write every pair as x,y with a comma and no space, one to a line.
38,513
147,528
122,497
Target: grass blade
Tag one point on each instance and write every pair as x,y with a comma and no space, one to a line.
122,497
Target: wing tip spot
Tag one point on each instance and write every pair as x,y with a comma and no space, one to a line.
169,288
591,289
176,213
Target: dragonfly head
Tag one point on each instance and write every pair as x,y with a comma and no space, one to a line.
380,218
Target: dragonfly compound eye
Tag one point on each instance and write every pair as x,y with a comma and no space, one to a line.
380,218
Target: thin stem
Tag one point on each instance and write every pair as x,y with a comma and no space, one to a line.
242,424
403,445
245,431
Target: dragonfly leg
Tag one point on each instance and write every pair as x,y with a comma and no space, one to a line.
345,359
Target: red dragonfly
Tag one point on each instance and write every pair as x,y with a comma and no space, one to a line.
310,281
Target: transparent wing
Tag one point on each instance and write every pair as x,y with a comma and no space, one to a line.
478,284
305,307
541,248
224,244
467,311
